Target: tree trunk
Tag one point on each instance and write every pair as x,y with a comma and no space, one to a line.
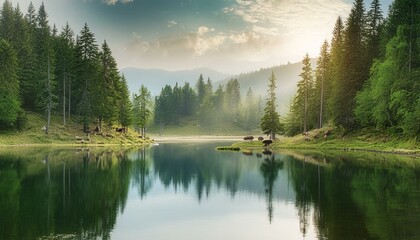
64,99
272,135
322,102
49,101
69,97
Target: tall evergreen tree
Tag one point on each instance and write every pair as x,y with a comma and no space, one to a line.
125,105
232,100
337,67
270,122
65,67
106,91
201,89
303,103
86,71
356,70
374,27
189,99
9,85
46,87
323,83
142,110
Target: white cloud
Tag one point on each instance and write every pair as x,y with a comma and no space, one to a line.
113,2
172,23
277,31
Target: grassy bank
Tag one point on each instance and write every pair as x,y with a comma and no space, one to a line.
71,134
363,140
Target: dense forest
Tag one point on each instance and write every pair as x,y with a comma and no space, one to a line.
367,76
49,71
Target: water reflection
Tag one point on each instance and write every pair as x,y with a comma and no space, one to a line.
81,194
269,170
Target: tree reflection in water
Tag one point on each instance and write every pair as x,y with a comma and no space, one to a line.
59,193
142,179
269,170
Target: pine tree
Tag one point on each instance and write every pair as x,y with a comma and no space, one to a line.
270,122
86,70
356,70
9,85
46,87
125,105
189,99
142,110
201,89
303,103
374,29
232,100
322,83
106,97
65,67
337,67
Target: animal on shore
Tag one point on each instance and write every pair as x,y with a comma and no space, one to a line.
121,130
260,138
250,138
267,142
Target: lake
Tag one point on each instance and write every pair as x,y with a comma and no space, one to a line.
191,191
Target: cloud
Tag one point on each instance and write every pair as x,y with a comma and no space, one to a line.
172,23
274,32
113,2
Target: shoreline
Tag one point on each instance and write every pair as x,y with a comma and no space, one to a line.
195,138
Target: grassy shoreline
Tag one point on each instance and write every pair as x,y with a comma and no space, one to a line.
70,135
367,141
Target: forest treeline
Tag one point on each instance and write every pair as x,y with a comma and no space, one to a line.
47,70
367,76
210,106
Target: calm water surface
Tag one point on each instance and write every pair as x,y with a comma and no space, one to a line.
190,191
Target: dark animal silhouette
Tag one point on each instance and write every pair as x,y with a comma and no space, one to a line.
249,138
260,138
259,155
267,142
121,130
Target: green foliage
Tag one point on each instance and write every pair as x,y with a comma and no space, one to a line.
142,110
9,85
125,106
390,98
304,107
270,122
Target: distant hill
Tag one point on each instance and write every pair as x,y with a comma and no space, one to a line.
156,79
287,77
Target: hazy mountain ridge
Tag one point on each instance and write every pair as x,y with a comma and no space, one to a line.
156,79
287,77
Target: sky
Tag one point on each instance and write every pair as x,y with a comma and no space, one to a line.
230,36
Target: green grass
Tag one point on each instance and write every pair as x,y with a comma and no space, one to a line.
362,140
60,135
